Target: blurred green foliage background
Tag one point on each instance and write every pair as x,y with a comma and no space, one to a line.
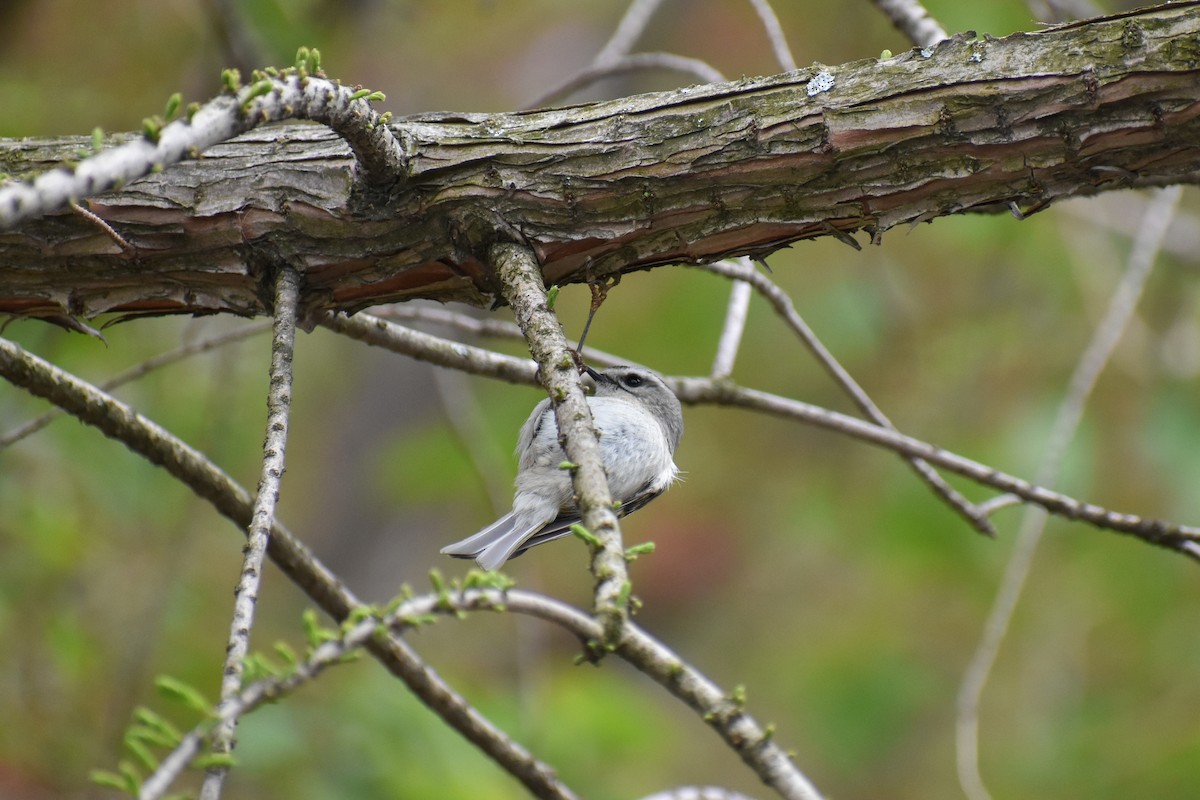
818,572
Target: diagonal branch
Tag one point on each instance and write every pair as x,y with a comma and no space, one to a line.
136,372
262,517
782,303
119,421
1183,539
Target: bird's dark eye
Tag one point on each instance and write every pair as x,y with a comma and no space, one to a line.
633,380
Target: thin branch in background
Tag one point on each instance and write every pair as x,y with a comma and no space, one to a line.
742,270
739,294
736,312
461,411
1182,539
262,518
524,290
1052,11
432,349
485,326
637,62
122,423
1142,257
615,59
913,20
238,42
631,27
779,45
137,371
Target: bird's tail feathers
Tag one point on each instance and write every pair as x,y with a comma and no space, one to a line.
495,544
477,542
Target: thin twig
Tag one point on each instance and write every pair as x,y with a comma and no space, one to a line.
486,326
523,288
461,411
631,27
779,45
779,299
1142,257
262,518
614,57
119,421
736,312
913,20
135,372
103,225
432,349
637,62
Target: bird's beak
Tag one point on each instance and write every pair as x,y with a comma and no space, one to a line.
595,376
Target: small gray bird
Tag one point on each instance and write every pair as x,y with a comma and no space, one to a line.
640,423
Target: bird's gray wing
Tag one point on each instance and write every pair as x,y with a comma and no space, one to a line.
561,526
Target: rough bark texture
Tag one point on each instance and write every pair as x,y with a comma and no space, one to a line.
695,174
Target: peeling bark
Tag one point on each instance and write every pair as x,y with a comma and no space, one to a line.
971,125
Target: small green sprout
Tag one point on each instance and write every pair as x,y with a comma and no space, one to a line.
142,753
285,652
211,760
97,139
173,104
257,90
152,720
370,96
316,634
552,296
183,693
152,128
111,780
478,579
632,553
586,535
307,61
231,79
623,595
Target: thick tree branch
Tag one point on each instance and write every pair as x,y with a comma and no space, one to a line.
691,175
